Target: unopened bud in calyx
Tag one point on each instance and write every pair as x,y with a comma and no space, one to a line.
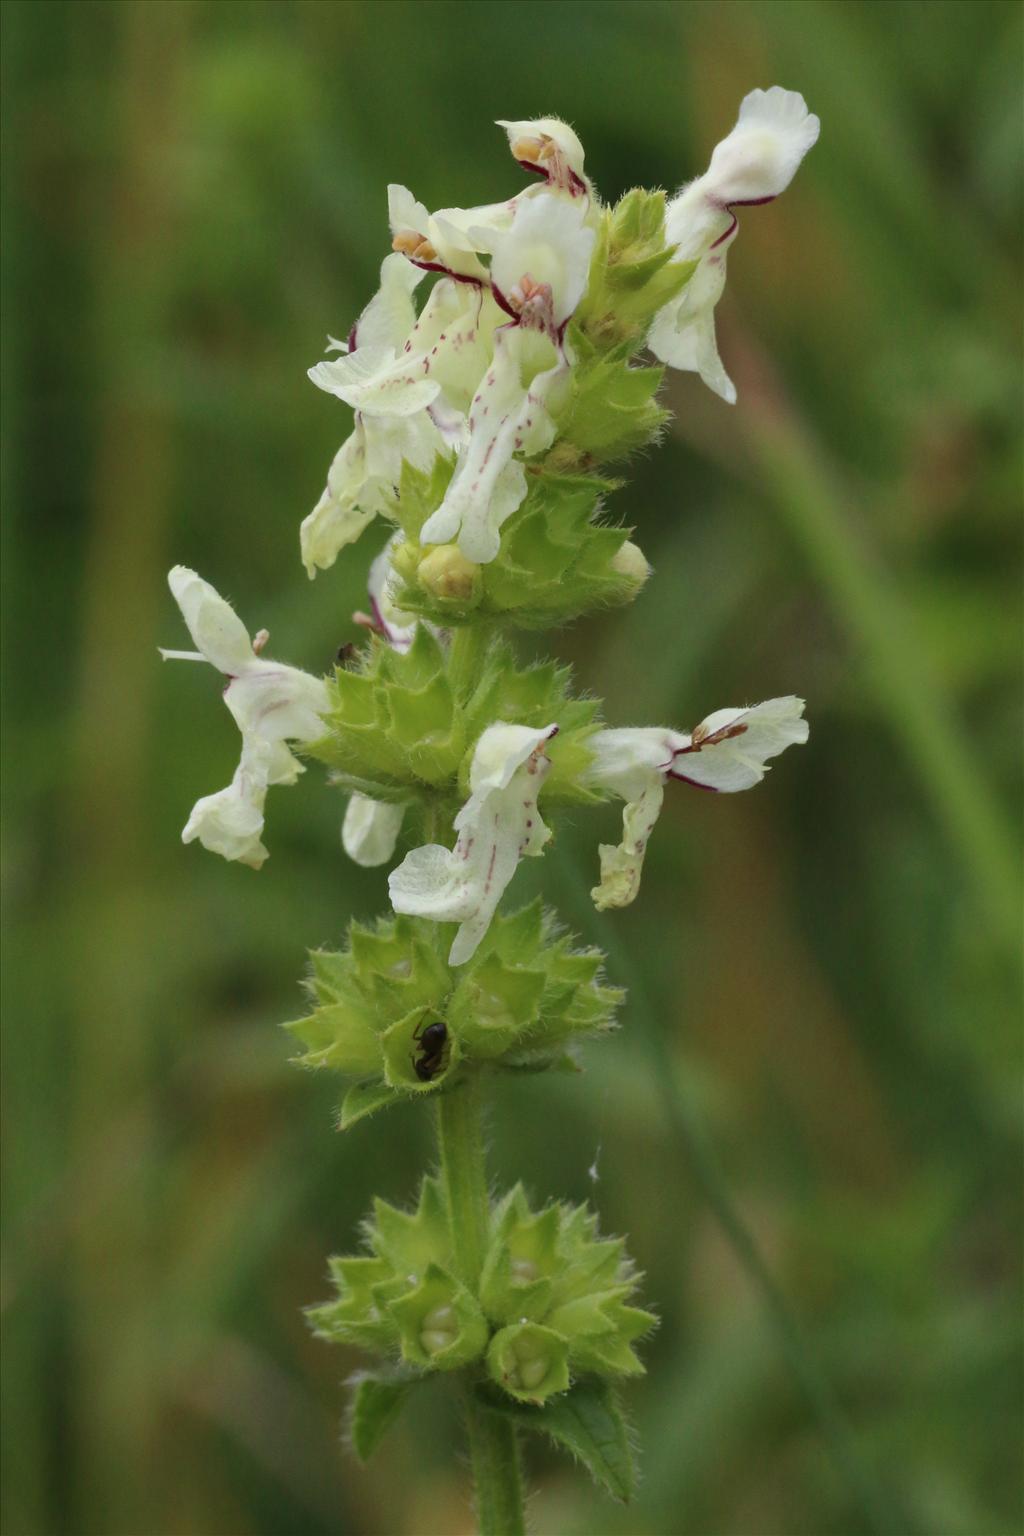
440,1328
631,563
446,574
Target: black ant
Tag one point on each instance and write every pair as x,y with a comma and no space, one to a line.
428,1059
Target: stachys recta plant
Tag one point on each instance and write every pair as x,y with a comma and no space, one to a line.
494,377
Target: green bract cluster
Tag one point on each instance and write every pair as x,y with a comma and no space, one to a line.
552,1303
558,559
633,274
521,1003
398,731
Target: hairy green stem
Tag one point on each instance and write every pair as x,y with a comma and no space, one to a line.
465,656
494,1453
494,1457
460,1143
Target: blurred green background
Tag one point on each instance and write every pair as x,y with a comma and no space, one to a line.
194,197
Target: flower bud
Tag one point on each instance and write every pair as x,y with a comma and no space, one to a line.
446,574
631,563
440,1329
530,1362
440,1324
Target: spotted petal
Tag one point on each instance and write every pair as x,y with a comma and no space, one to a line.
498,825
728,751
508,416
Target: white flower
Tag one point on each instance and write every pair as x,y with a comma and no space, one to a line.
271,704
362,481
370,830
539,272
440,242
230,822
366,470
548,147
753,164
728,751
498,825
540,265
366,376
448,241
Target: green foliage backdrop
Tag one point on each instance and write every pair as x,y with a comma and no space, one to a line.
194,196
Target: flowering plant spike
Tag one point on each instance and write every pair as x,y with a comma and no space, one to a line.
496,373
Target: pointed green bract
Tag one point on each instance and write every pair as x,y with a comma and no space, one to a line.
397,735
551,1268
557,550
524,999
392,718
378,1397
586,1421
632,273
551,1305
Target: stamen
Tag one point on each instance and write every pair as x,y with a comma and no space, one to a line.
702,738
408,242
530,149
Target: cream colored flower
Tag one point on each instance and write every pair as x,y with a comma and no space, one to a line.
753,164
272,704
728,751
498,825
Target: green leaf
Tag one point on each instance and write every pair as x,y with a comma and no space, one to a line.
364,1099
378,1397
421,493
587,1422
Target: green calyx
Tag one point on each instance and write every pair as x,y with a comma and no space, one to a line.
398,730
633,273
529,1362
402,1298
392,1014
394,723
551,1306
551,1273
557,557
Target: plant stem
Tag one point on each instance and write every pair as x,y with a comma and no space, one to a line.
466,653
494,1457
461,1146
494,1453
